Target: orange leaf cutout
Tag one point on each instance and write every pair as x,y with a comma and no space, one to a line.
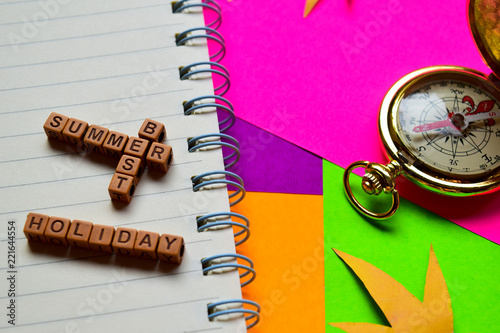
309,6
404,311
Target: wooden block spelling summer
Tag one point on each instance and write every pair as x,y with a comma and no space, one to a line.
79,234
146,244
153,131
121,187
136,147
35,227
94,138
54,126
74,132
101,238
159,157
131,166
114,144
170,248
57,230
124,240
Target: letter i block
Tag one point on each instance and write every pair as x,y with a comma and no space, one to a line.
121,187
131,166
153,131
101,238
136,147
94,138
124,240
146,244
170,249
79,234
114,144
54,126
159,157
74,132
57,230
35,227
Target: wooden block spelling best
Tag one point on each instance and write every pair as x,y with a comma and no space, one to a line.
97,237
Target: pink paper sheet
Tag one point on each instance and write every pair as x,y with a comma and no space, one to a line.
318,82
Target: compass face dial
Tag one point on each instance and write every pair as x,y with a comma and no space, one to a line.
451,126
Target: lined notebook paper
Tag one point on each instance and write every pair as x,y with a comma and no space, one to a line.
111,63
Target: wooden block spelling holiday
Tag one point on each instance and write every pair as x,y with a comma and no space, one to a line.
54,125
57,230
146,244
170,248
79,234
101,238
35,227
124,240
159,157
153,131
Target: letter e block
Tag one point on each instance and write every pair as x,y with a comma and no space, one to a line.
132,166
170,249
54,126
74,132
137,147
121,187
94,138
159,157
57,230
153,131
79,234
124,240
114,144
35,226
146,244
101,238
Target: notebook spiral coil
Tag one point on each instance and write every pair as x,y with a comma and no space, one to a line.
212,222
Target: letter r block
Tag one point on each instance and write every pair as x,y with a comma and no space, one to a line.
57,230
101,238
121,187
170,249
95,137
54,126
79,234
153,131
124,240
35,226
159,157
146,244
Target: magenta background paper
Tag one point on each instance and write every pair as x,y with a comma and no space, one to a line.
318,82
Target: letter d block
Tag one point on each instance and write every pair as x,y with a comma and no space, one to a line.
114,144
121,187
124,240
54,126
101,238
170,249
35,227
159,157
79,234
57,230
153,131
146,244
94,138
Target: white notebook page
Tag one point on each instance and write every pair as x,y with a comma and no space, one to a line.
111,63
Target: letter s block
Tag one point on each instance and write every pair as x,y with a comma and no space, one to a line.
54,126
170,249
35,226
153,131
94,138
57,230
130,165
159,157
121,187
79,234
124,240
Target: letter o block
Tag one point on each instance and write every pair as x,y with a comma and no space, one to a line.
74,132
121,187
54,126
153,131
159,157
124,240
146,244
35,227
79,234
170,249
57,230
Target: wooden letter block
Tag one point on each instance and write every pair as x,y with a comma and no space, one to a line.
57,230
79,234
54,126
131,166
122,187
74,132
137,147
101,238
159,157
114,144
146,244
153,131
124,240
95,137
170,248
35,226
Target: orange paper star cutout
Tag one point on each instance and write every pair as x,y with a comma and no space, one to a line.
404,311
309,6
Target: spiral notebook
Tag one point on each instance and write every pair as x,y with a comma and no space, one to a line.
115,63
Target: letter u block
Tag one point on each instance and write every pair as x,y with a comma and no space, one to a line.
79,234
101,238
170,249
124,240
153,131
159,157
54,126
35,226
146,244
74,132
57,230
114,144
94,138
121,187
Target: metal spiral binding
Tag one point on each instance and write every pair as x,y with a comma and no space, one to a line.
223,263
214,141
206,104
186,5
233,308
222,220
187,38
195,71
217,179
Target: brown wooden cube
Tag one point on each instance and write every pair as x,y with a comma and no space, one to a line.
132,166
54,126
121,187
146,244
94,138
153,131
101,238
57,230
114,144
74,131
35,226
79,234
159,157
137,147
124,240
170,248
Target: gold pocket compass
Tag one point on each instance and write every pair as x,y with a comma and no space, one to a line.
440,126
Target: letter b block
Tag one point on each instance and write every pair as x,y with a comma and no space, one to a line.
153,131
54,126
170,249
159,157
35,227
121,187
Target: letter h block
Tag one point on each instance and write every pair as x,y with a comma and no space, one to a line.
35,227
